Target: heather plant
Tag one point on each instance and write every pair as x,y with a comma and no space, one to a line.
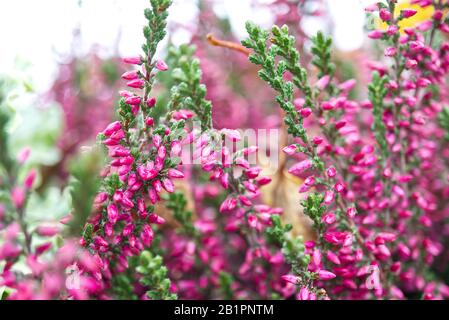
177,209
363,209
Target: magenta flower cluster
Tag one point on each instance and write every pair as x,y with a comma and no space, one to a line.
371,167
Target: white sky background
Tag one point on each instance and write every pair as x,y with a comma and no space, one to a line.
40,31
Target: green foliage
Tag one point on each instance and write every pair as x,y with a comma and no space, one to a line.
293,249
125,112
377,93
277,232
177,202
112,183
225,280
188,92
276,59
123,287
313,207
84,186
154,276
321,50
4,293
5,160
443,120
283,50
155,31
110,71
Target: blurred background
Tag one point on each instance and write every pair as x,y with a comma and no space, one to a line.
46,33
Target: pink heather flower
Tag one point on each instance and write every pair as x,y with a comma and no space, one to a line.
408,13
263,181
390,51
149,122
136,83
300,167
398,191
332,257
385,15
233,135
130,75
112,213
168,185
316,257
317,140
423,82
24,155
242,163
147,235
340,124
135,100
371,8
376,34
250,150
176,148
112,128
326,105
151,102
162,152
253,172
331,172
322,82
347,85
66,220
329,218
339,187
183,114
351,212
426,25
29,179
438,15
157,140
18,197
291,278
152,195
411,63
310,181
224,180
305,112
416,46
228,204
290,150
226,157
125,93
245,201
40,249
444,28
328,197
47,231
154,218
252,221
133,60
304,294
161,65
12,232
325,275
250,186
175,174
298,103
366,104
392,30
